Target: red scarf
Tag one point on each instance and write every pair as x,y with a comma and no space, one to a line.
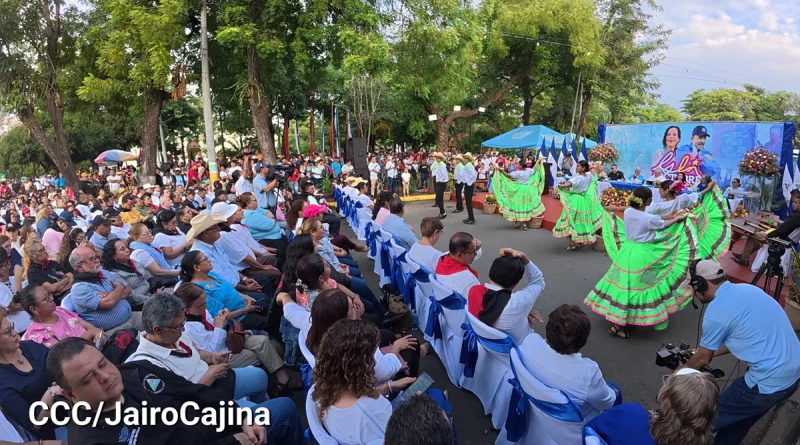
475,299
449,266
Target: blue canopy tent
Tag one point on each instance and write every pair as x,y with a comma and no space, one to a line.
589,143
530,136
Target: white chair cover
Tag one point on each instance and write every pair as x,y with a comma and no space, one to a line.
542,428
380,268
449,346
315,424
492,371
373,227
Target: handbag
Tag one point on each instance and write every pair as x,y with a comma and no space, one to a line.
235,338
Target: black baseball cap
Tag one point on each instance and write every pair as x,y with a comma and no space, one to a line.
100,221
701,131
110,211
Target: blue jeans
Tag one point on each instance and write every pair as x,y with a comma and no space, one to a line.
251,382
391,183
740,408
613,385
284,426
292,355
359,286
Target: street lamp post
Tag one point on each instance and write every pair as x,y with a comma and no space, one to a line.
469,141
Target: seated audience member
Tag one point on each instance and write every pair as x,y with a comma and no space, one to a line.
127,213
166,344
14,311
362,187
52,236
240,254
146,256
119,229
196,268
206,233
300,247
262,224
308,190
615,174
419,421
41,271
208,333
557,363
687,405
102,232
380,210
116,258
24,380
333,305
497,305
244,236
396,225
423,252
100,297
294,217
314,227
72,360
74,238
185,216
50,323
636,177
169,238
754,243
345,398
341,244
454,268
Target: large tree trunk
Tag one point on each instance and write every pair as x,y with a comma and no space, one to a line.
257,98
527,100
152,112
57,147
586,96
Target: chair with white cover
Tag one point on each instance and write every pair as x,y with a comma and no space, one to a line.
538,414
372,232
786,259
385,258
590,437
416,289
318,430
443,326
487,367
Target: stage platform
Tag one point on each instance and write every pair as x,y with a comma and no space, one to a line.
736,272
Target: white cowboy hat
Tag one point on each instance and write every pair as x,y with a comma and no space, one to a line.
223,210
147,186
201,223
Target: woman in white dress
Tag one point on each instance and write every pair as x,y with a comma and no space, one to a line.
170,239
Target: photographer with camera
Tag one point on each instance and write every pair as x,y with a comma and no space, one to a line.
782,231
743,320
265,188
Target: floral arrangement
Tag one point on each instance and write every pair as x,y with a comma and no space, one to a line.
614,197
760,163
740,212
606,153
490,199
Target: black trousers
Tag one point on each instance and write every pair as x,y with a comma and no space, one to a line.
280,245
411,356
333,223
469,190
439,188
459,188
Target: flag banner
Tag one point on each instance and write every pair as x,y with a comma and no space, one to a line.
296,137
336,131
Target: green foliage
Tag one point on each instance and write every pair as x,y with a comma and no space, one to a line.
21,155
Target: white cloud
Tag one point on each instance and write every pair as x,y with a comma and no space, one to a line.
735,42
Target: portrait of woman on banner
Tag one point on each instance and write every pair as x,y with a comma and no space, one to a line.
670,141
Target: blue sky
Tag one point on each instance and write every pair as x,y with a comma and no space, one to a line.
727,43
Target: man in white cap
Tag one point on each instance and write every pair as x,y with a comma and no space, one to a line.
743,320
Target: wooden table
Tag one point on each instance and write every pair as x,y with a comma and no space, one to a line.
749,225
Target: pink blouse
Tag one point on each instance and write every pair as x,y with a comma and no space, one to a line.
306,300
383,213
68,325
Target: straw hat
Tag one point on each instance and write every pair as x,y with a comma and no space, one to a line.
436,154
468,157
459,157
201,223
357,181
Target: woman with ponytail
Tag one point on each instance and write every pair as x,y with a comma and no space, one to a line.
644,285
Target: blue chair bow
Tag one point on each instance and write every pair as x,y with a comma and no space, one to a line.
386,258
517,420
453,302
372,239
422,276
307,373
398,278
354,213
469,348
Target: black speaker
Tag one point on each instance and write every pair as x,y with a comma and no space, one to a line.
356,152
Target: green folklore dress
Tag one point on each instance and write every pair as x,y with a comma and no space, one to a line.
713,225
647,280
582,215
520,202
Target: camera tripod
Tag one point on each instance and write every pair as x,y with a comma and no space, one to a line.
772,269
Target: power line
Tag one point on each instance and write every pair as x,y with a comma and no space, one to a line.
723,70
697,78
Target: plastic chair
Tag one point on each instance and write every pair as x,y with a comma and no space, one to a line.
443,325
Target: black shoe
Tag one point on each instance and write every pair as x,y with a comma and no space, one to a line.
435,205
469,221
442,216
457,211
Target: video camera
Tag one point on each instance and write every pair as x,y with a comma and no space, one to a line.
777,247
672,357
281,172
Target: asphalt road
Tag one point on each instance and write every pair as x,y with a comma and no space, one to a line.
569,277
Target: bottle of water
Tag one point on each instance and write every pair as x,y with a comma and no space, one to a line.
414,320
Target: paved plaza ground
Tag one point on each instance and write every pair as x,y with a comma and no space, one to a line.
569,277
